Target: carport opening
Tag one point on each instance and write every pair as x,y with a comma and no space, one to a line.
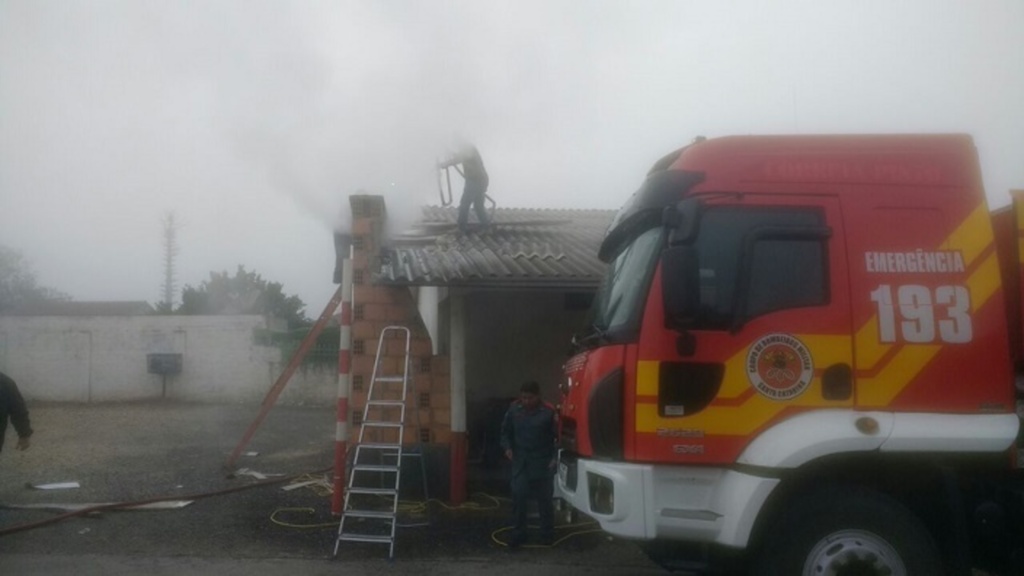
512,336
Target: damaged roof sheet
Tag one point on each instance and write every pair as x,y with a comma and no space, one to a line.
521,247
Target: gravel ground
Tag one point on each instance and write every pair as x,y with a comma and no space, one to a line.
138,451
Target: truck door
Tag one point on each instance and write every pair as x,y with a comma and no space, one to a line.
769,338
928,308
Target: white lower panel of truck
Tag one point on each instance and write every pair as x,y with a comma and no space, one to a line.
645,501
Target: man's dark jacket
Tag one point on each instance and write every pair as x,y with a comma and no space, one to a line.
12,406
474,171
530,434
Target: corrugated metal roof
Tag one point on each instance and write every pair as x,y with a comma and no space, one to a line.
521,247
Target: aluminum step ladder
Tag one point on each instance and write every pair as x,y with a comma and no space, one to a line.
371,498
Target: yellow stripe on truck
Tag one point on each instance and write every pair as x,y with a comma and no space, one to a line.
971,238
984,282
731,420
754,411
883,386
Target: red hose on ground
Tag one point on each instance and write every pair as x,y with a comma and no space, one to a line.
117,505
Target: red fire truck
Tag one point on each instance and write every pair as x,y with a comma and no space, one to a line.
803,361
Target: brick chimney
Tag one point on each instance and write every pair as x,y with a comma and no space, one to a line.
376,306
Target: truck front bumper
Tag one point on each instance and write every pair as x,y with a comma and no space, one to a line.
646,501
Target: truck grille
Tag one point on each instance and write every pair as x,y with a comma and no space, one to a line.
568,437
605,409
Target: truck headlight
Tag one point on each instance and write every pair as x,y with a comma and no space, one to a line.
602,494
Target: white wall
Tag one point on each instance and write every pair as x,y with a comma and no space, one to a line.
100,359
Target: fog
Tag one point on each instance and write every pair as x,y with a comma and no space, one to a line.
253,120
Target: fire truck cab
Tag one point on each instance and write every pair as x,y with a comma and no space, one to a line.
802,361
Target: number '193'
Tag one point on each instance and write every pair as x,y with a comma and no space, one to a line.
918,313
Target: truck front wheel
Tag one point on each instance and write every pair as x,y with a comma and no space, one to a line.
848,531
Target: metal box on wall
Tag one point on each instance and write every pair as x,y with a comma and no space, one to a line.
163,363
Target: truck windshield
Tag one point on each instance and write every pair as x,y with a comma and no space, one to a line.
615,315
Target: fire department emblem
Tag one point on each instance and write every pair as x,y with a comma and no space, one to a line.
779,366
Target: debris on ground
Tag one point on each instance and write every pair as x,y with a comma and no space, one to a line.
68,507
53,486
255,474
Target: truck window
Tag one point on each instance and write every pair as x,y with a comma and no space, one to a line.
786,274
783,273
621,297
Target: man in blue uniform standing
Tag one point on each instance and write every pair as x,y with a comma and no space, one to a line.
528,435
12,406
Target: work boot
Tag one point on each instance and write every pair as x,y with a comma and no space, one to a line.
517,540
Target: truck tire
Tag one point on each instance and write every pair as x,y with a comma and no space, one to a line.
846,531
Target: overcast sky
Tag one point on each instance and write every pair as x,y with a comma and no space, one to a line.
252,120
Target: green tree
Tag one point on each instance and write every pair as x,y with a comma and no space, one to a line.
163,307
18,286
244,293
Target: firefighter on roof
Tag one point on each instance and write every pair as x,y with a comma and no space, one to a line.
475,190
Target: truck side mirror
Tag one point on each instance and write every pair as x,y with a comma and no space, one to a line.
682,220
680,286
